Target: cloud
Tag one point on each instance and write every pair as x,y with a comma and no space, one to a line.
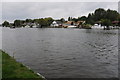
24,10
1,12
60,0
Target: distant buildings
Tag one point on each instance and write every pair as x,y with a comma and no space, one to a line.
67,24
56,23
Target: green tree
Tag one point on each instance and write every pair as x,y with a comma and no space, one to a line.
74,19
17,23
42,22
62,20
90,19
5,24
119,21
48,21
69,19
106,22
112,15
99,14
28,20
36,20
83,18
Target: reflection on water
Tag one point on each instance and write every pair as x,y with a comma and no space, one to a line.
63,53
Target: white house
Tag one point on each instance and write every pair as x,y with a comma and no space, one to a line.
97,26
56,23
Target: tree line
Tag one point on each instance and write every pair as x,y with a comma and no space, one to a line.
19,23
99,16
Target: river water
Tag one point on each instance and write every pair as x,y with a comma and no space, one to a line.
64,53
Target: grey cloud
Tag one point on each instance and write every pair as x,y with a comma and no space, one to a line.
23,10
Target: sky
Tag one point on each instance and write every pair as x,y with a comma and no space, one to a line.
59,0
12,10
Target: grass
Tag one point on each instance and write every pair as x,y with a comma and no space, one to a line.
13,69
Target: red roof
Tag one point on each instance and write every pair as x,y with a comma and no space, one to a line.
114,22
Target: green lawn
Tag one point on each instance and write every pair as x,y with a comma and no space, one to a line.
13,69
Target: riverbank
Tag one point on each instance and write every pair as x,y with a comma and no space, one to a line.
13,69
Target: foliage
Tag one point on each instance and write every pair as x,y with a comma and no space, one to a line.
5,24
106,22
28,20
83,18
62,20
69,18
119,21
112,15
17,23
74,19
101,14
98,15
86,26
48,21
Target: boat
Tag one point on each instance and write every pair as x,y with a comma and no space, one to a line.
72,26
96,26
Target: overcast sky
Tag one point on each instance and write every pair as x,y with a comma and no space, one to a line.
60,0
56,10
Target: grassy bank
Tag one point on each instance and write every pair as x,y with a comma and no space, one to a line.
13,69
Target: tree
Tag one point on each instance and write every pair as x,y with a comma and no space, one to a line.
28,20
69,19
62,20
5,24
106,22
74,19
90,19
36,20
99,14
119,21
83,18
17,23
48,21
42,22
112,15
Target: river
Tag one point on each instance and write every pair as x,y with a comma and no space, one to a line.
64,53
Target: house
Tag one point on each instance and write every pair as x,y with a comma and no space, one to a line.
78,23
27,26
56,24
34,25
73,24
68,24
115,22
31,25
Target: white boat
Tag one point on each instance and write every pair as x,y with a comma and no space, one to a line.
72,26
96,26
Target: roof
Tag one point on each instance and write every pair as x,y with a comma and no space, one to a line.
58,22
115,22
69,22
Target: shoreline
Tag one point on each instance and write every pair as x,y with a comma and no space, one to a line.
13,69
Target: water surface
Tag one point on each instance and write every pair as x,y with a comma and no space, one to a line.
64,53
